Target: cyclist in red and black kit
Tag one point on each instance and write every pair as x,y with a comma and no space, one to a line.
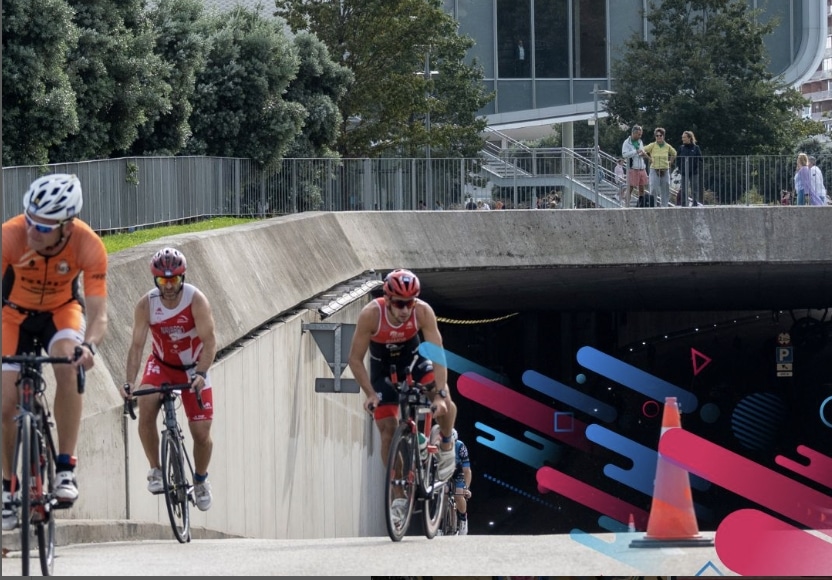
389,328
181,324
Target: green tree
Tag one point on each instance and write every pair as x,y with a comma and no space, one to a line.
39,108
118,80
385,43
704,69
319,85
239,104
181,42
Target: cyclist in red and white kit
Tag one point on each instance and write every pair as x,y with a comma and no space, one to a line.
181,325
389,328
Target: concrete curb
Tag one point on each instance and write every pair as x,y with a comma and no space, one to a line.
97,531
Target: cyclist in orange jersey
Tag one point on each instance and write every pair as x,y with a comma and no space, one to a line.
45,251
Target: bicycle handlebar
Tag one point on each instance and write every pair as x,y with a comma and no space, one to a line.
165,388
32,360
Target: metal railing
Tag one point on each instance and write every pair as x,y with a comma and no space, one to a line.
135,192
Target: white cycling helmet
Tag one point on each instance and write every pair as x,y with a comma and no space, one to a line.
55,197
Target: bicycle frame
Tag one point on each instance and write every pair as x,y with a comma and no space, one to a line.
412,477
177,479
35,455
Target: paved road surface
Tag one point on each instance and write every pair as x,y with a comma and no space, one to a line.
442,556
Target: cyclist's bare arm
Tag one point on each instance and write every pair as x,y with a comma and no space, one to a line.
141,325
426,319
204,323
466,476
96,315
368,320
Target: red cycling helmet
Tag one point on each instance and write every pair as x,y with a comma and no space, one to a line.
168,262
403,283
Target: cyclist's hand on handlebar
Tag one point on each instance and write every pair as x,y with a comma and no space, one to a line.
197,384
439,407
129,400
466,493
83,358
372,403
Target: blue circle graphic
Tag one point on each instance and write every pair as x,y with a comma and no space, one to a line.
822,418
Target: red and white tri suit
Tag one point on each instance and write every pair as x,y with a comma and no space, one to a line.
175,350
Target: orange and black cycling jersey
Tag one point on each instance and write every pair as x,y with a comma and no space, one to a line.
36,282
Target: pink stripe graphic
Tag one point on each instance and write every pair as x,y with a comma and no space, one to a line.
520,408
592,497
752,543
819,468
746,478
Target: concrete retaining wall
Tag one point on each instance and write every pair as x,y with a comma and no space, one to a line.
290,463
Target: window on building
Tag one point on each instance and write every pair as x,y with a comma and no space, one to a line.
827,64
590,38
551,39
514,38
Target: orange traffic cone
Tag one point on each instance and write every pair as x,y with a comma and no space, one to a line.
672,521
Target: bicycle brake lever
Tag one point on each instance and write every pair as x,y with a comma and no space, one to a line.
82,374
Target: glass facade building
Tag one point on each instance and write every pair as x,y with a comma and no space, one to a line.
543,57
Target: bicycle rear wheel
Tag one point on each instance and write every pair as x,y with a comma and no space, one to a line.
434,498
45,529
25,445
400,488
175,486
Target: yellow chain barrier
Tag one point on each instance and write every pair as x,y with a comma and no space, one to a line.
480,321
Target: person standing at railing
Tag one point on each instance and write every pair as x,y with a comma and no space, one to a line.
45,251
803,180
662,155
633,151
817,181
690,160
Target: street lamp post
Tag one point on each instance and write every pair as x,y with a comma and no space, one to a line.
596,152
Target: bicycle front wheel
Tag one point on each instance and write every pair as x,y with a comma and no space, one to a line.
176,486
45,529
434,502
449,523
400,489
25,434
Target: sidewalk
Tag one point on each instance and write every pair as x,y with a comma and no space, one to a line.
96,531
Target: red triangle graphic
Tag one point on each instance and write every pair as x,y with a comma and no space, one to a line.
703,361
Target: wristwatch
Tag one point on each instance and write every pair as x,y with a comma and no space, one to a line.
91,347
442,393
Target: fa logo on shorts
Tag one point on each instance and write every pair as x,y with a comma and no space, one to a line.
62,267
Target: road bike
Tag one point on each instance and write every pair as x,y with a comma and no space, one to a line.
412,472
177,469
450,519
35,455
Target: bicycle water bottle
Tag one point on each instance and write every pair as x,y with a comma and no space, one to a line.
423,447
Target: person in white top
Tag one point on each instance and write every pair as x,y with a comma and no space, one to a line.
633,151
817,179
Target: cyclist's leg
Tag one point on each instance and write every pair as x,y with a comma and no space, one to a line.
423,374
387,414
461,504
62,332
199,423
14,339
154,376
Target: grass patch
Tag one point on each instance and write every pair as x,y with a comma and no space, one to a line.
117,242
